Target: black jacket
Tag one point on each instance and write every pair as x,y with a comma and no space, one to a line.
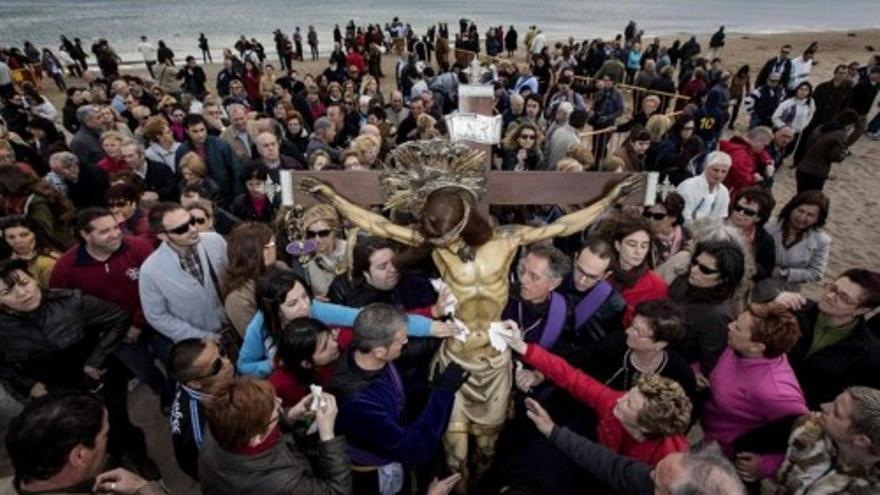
52,344
621,474
765,254
863,96
606,320
707,321
823,375
161,180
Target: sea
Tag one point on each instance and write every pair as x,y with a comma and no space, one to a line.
179,22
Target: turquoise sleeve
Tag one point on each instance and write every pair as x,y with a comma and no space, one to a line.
343,316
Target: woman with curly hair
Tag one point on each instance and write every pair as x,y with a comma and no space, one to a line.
522,148
367,147
27,195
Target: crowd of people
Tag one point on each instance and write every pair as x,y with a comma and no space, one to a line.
666,349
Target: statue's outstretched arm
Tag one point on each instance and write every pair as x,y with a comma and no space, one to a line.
374,224
576,222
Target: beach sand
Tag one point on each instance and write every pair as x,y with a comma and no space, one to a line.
853,190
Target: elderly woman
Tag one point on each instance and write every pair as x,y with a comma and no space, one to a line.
320,224
753,384
522,148
162,145
648,346
802,247
250,447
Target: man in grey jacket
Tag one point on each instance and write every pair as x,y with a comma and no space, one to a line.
179,282
698,472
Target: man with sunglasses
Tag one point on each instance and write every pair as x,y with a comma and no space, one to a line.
197,365
179,282
836,349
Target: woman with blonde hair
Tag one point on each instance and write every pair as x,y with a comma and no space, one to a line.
425,125
320,224
522,147
194,172
111,143
368,148
370,87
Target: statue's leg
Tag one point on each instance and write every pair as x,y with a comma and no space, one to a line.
455,441
485,452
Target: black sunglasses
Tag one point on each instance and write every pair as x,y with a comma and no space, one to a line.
182,228
216,365
745,211
200,220
703,268
311,234
655,216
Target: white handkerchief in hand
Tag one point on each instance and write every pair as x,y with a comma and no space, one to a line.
463,330
451,301
496,330
317,403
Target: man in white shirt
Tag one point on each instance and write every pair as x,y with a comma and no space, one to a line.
704,195
148,51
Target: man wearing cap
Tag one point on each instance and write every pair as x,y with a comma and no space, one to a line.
762,102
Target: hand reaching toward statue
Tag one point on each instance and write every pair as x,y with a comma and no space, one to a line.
540,417
443,329
315,187
513,336
526,380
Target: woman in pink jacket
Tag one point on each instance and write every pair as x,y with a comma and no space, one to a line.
753,385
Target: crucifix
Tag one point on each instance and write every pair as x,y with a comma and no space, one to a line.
475,271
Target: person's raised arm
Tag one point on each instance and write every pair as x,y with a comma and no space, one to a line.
575,222
362,217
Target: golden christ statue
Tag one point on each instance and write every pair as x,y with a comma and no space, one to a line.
440,183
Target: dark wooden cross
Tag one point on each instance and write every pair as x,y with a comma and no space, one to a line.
504,188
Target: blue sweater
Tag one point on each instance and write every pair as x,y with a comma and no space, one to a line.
253,359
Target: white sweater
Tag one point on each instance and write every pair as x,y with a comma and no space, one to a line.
699,202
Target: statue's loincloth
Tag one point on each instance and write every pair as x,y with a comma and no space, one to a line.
481,404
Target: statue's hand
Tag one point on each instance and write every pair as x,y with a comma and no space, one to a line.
627,186
315,187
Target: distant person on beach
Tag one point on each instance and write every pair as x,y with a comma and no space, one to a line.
206,52
312,37
148,51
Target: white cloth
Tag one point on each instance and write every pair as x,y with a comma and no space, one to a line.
700,202
449,309
390,478
496,336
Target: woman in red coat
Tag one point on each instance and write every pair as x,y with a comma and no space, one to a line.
646,423
631,274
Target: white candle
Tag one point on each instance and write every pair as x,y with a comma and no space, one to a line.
286,187
651,188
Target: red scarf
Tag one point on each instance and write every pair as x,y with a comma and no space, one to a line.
267,443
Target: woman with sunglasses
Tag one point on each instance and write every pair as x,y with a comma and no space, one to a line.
522,148
749,211
21,239
282,296
705,293
631,272
320,225
667,219
202,213
802,246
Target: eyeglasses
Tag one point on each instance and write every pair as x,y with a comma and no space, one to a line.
840,295
655,215
745,211
182,228
703,268
530,137
200,220
216,365
311,234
